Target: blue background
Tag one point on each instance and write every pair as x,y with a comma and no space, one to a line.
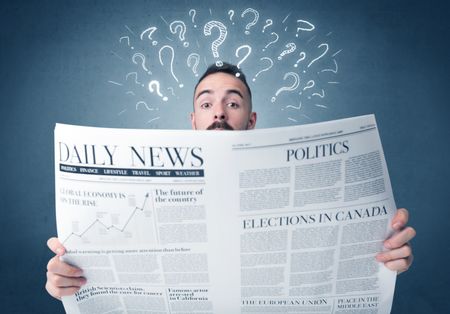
57,57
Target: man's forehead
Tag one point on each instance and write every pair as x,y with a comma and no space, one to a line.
220,80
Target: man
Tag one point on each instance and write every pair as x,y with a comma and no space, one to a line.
223,101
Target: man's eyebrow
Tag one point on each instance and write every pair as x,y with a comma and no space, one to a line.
235,91
228,91
206,91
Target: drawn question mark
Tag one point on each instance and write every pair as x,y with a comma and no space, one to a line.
305,26
294,107
150,31
249,51
171,90
196,57
309,85
145,105
302,57
172,54
255,19
268,23
231,14
320,95
193,16
128,41
273,41
216,43
142,57
176,26
326,50
335,70
265,69
154,86
288,88
291,48
135,77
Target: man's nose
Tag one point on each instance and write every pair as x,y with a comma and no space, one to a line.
220,114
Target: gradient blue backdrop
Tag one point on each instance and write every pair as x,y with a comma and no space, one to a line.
55,62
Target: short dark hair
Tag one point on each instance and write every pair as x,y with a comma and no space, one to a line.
229,69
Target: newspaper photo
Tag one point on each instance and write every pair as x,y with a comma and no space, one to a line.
281,220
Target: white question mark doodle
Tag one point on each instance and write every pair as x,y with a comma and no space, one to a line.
302,57
297,108
154,85
273,41
231,14
310,84
307,28
255,19
142,57
249,51
128,41
265,69
288,88
193,16
171,90
335,70
216,43
171,61
135,77
291,48
176,26
326,49
320,95
143,103
196,57
150,31
268,23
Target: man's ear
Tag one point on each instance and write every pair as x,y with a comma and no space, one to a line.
251,121
193,121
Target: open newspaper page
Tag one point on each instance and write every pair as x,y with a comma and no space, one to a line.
315,202
131,211
281,220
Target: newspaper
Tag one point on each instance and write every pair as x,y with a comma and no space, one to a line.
281,220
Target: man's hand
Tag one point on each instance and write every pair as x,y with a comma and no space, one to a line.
62,278
399,256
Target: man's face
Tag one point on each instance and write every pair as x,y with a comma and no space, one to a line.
222,102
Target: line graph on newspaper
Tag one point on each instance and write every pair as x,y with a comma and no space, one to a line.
98,214
117,226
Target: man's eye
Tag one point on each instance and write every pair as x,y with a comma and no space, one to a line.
205,105
234,105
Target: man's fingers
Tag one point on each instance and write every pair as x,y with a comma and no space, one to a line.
400,265
60,268
58,292
62,278
403,252
400,238
56,246
400,219
65,282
